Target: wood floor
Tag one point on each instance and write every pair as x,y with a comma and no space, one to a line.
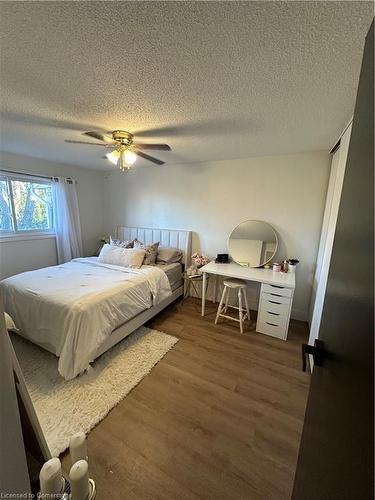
220,416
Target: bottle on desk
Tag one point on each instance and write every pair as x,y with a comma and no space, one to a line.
285,267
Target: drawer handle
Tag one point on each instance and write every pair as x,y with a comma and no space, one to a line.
272,324
274,302
275,295
276,286
275,314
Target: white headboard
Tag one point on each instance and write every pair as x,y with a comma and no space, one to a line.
172,238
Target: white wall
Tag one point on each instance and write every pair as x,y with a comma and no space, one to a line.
24,255
212,198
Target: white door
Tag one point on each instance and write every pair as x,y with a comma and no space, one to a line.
328,232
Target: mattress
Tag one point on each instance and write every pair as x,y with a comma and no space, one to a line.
174,274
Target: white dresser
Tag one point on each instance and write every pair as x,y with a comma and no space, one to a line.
275,304
276,294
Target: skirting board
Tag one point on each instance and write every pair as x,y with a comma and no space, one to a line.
127,328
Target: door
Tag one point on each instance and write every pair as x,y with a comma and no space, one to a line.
336,453
328,230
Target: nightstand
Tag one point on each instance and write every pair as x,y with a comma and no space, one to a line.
192,282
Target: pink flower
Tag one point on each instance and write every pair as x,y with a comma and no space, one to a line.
200,259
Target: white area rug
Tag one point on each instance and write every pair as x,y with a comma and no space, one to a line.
64,408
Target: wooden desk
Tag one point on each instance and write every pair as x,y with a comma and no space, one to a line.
276,296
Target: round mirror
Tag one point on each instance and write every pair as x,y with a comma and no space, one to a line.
253,243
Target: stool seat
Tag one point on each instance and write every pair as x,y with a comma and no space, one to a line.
235,283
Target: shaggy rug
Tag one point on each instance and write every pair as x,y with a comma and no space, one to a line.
64,408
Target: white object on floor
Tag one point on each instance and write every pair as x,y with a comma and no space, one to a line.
79,480
50,477
65,408
275,285
78,447
9,323
243,314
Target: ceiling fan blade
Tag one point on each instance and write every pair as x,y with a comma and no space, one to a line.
90,143
149,158
98,136
155,147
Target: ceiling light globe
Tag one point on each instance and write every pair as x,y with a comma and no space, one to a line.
113,157
130,157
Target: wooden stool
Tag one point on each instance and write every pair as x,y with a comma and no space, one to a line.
243,314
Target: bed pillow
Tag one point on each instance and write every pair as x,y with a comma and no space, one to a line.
151,251
168,255
120,243
118,256
9,323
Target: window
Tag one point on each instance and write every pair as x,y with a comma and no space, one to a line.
25,205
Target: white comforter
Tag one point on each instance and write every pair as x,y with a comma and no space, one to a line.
71,308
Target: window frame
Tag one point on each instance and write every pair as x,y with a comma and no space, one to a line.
23,234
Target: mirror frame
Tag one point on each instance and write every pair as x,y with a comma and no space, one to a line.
274,253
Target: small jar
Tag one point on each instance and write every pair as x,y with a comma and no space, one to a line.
285,266
276,267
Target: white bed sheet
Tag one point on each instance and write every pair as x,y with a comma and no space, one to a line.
71,308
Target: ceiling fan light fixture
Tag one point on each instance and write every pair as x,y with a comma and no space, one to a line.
113,157
123,159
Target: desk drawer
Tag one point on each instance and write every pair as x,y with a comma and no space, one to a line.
274,304
272,318
277,299
269,328
277,290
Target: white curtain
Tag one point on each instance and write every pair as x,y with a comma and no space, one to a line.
66,220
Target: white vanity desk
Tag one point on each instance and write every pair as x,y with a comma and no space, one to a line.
276,295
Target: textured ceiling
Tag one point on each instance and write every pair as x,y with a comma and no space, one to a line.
215,80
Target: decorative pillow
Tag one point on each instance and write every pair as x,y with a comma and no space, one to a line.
9,323
151,251
120,243
118,256
168,255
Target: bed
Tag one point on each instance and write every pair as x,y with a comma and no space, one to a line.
80,309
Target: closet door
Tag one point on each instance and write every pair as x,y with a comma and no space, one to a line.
328,231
